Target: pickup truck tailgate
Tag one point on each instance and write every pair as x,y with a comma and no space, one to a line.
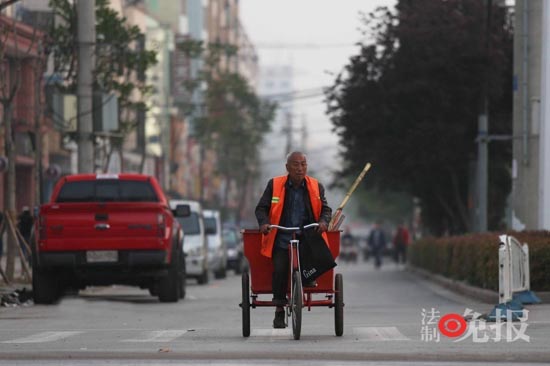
96,226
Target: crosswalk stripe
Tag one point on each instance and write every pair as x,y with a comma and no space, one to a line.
380,334
285,332
159,336
44,337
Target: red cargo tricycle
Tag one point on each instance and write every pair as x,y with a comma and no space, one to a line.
329,291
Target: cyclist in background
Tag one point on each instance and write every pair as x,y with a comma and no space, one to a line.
291,200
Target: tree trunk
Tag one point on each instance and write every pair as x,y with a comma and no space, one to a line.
243,191
9,190
39,70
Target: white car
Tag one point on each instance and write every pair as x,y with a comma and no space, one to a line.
217,253
234,244
194,242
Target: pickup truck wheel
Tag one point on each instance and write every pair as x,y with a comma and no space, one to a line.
239,267
45,287
221,273
169,286
203,278
183,277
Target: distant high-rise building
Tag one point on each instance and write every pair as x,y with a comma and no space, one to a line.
276,84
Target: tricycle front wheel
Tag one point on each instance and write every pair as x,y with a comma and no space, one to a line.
296,304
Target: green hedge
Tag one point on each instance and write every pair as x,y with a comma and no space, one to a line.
474,258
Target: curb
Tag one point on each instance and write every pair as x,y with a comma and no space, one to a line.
485,295
544,296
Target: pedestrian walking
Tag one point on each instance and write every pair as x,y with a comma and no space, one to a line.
25,222
400,244
377,243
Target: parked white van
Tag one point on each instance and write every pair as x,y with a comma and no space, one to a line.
217,253
194,241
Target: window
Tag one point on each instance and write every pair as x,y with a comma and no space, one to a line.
137,191
230,238
190,224
77,192
210,225
107,190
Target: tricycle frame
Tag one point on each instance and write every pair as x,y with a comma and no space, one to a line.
258,282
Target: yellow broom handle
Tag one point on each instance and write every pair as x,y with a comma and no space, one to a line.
354,186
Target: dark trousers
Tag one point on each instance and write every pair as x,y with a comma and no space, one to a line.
279,284
377,253
400,253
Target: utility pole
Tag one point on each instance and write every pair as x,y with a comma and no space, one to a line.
39,78
287,130
86,61
483,132
482,173
9,146
305,134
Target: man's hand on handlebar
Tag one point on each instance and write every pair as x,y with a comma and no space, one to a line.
319,227
323,226
265,228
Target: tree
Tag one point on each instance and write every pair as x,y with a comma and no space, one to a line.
235,119
121,60
4,4
409,102
17,46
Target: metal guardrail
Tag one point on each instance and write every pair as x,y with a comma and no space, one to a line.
514,277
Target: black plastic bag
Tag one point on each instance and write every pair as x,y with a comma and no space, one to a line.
315,255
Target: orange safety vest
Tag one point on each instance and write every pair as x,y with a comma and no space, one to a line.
277,204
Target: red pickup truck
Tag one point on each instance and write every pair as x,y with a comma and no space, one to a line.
104,229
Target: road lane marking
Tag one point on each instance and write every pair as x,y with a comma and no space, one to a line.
159,336
275,333
44,337
380,334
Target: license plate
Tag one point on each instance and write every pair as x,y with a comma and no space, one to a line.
99,256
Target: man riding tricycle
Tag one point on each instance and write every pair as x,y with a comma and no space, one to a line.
292,254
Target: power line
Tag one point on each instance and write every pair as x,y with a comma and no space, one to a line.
295,92
300,97
319,46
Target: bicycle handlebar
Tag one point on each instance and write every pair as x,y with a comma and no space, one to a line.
294,228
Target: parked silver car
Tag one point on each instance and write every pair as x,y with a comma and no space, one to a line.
217,256
195,242
235,251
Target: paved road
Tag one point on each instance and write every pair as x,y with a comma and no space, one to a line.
383,325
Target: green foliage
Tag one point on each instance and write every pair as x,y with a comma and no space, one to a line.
120,59
375,204
409,103
474,258
236,119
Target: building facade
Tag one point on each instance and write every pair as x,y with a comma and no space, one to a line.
22,64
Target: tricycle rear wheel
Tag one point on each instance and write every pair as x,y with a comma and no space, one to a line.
245,304
339,305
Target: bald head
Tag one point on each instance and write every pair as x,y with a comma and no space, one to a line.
296,165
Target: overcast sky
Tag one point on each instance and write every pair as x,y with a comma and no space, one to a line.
317,38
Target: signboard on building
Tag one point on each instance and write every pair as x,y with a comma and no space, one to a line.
181,72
